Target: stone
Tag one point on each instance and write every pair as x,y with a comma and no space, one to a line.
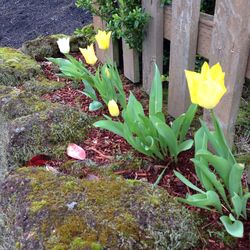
46,46
16,67
43,210
42,85
30,126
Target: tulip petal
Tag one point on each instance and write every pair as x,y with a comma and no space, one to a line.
76,152
193,81
216,71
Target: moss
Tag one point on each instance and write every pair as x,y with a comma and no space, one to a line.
24,103
41,85
37,205
15,67
109,214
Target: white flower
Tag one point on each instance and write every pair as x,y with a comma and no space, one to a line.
63,44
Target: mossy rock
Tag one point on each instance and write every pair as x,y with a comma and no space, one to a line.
45,131
42,85
15,103
16,67
46,46
48,211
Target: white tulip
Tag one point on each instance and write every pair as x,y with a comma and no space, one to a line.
63,44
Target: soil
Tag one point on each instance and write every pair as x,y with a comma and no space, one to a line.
101,146
23,20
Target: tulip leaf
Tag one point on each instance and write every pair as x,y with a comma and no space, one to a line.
189,116
187,182
237,204
155,100
235,179
115,127
200,140
89,91
185,145
95,105
204,200
234,228
220,164
177,123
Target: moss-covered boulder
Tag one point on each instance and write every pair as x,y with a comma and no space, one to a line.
46,46
47,211
16,67
42,85
31,126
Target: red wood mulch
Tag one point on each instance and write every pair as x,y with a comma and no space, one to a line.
101,146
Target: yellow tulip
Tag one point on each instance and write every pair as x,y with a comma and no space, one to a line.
103,39
107,72
89,54
113,108
206,88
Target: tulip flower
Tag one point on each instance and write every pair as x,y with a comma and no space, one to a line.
89,54
103,39
206,88
63,44
107,72
113,108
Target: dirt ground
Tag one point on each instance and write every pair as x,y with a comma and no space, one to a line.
22,20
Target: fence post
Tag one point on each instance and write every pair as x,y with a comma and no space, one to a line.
230,46
152,51
112,53
184,37
131,65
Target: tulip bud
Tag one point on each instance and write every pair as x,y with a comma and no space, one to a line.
107,72
63,44
113,108
89,54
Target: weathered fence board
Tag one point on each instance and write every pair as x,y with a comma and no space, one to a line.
184,30
131,67
230,46
205,34
153,42
111,54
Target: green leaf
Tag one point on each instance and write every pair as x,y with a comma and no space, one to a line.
213,179
189,116
210,198
200,139
185,145
115,127
95,105
187,182
177,123
237,204
155,100
220,164
235,228
235,175
89,91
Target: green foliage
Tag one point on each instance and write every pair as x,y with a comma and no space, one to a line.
106,81
150,134
88,32
126,19
220,175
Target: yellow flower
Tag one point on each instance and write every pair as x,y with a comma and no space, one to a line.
107,72
89,54
206,88
113,108
103,39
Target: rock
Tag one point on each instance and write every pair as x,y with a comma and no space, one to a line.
16,67
41,85
46,46
34,127
51,211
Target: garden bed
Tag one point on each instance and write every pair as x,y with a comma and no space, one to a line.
104,148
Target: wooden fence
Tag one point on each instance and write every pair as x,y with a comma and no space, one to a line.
224,38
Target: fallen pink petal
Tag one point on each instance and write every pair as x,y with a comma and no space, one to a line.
76,152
